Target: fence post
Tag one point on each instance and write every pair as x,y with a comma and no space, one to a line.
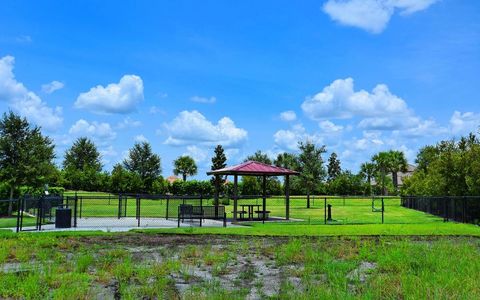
166,216
19,203
383,210
464,204
39,213
119,205
75,206
325,210
445,210
138,210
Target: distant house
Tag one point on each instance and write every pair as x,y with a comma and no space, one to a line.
171,179
403,175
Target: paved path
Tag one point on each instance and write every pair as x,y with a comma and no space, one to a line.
127,224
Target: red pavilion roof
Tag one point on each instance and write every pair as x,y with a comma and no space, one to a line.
253,168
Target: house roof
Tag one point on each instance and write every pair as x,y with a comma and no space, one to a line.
253,168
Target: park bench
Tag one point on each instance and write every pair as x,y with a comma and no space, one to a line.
195,212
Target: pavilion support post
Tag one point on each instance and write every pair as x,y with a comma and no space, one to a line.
217,188
264,196
287,197
235,197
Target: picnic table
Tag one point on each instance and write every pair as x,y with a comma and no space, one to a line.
250,209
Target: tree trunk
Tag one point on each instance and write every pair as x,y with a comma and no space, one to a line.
184,177
395,180
383,183
10,203
308,198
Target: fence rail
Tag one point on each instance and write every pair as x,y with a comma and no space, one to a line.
464,209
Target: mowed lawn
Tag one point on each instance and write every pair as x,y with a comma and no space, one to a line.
344,210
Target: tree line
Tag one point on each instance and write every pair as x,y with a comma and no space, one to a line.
449,168
27,167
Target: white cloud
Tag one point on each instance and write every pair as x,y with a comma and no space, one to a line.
199,99
329,127
101,132
340,100
52,87
121,97
371,15
198,154
191,127
140,138
288,139
464,123
288,116
24,101
128,123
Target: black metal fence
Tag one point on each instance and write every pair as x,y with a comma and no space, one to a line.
464,209
132,210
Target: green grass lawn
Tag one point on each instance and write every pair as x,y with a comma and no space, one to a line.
344,211
12,222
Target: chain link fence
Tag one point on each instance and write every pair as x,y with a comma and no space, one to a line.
464,209
132,210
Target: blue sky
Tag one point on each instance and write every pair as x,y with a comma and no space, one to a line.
359,76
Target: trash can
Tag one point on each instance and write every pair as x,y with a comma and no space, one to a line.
63,217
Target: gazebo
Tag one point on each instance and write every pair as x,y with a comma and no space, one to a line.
255,168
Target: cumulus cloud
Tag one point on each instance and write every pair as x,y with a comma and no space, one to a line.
198,154
52,87
100,132
288,139
339,100
288,116
121,97
371,15
24,101
464,123
208,100
191,127
329,127
128,123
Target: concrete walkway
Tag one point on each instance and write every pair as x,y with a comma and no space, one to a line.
127,224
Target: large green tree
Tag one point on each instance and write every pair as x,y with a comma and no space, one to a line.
186,166
260,157
219,161
367,171
26,156
398,163
382,163
288,161
333,169
142,161
82,165
312,169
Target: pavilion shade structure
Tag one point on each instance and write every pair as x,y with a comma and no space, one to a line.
255,168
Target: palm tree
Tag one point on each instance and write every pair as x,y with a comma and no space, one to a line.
382,161
367,170
398,163
184,165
